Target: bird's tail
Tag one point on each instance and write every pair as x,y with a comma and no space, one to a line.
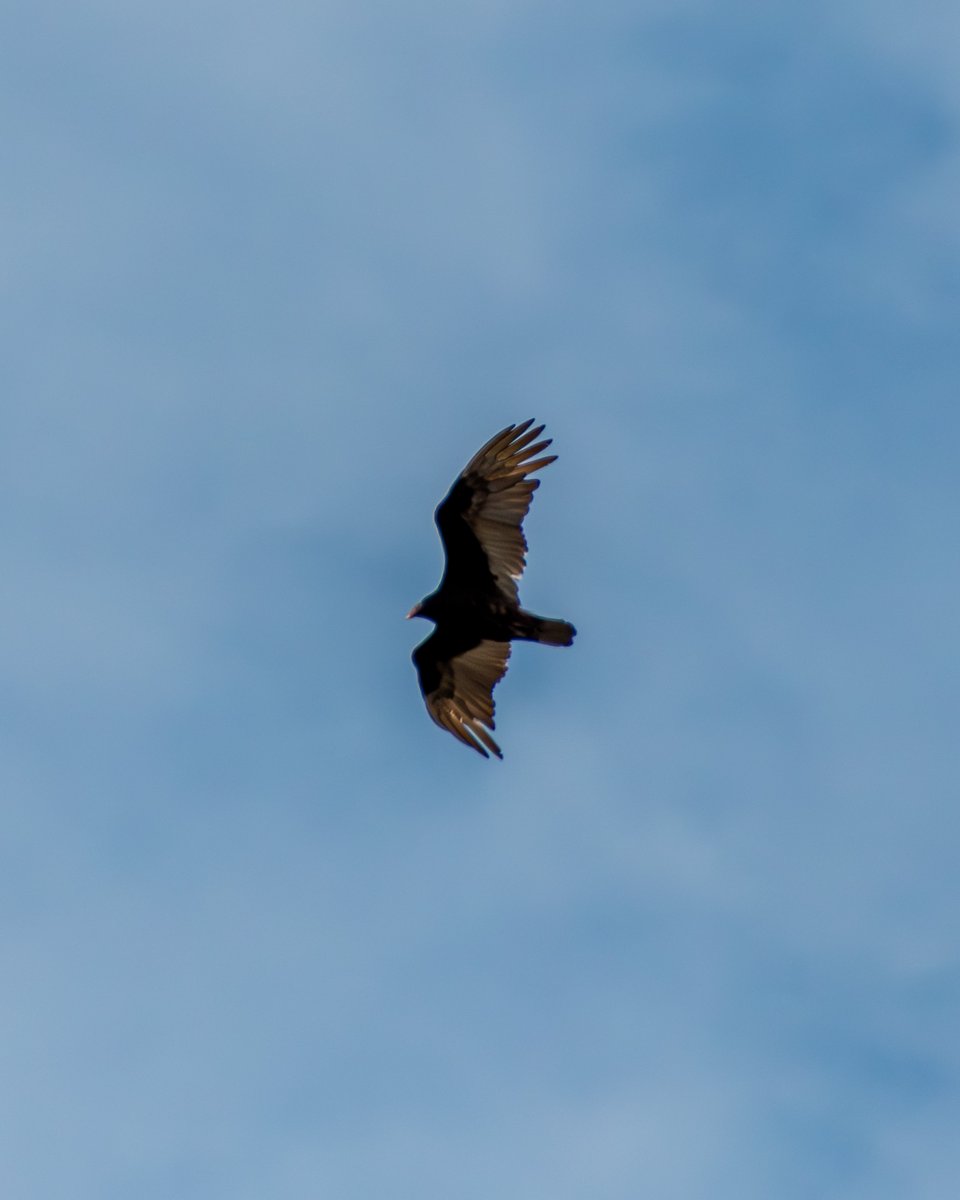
546,630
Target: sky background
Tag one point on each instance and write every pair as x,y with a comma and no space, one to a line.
270,275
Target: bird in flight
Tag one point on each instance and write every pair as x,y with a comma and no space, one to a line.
476,608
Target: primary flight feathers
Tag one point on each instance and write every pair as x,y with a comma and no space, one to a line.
476,607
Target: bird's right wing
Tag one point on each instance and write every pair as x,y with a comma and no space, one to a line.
458,685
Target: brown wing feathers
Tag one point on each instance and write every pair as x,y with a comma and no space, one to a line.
501,494
462,699
469,730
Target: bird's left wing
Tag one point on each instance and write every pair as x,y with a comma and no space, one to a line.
458,685
480,520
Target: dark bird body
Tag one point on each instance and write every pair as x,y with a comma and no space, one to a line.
476,608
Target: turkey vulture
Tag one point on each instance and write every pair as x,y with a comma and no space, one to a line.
476,608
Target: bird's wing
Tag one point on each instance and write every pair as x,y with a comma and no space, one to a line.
458,685
480,520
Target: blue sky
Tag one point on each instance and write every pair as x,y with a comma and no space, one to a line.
270,277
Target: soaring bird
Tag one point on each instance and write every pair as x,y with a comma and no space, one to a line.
476,608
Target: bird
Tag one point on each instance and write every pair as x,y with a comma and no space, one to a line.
476,607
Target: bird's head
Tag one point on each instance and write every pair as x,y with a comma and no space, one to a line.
423,609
